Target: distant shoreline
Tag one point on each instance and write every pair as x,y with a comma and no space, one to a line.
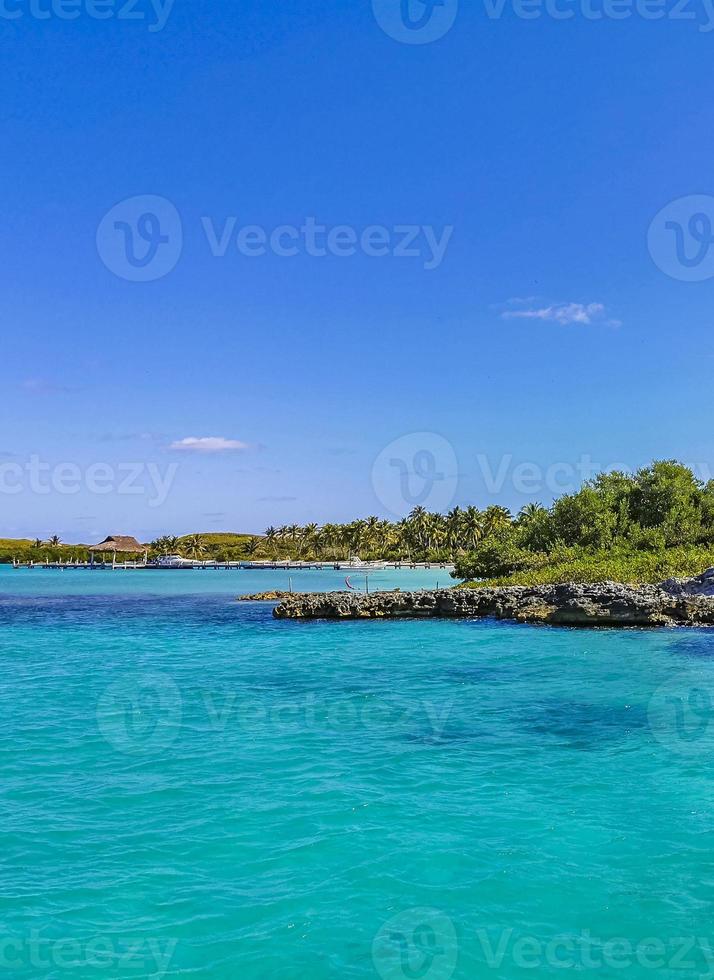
357,570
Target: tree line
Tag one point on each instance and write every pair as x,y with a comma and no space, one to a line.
659,507
653,512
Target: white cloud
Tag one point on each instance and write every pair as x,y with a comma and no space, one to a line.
209,444
563,313
42,386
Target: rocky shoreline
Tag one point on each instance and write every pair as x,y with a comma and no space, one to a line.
677,602
276,595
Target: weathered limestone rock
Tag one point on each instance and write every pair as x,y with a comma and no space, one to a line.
569,604
273,596
701,585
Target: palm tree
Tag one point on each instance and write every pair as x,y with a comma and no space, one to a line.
404,537
356,535
436,530
194,546
282,534
291,533
496,519
343,539
453,530
325,537
252,546
422,527
473,527
165,545
307,537
529,512
386,537
216,552
371,531
38,542
55,541
271,539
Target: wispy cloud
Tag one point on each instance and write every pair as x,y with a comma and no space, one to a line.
209,444
42,386
562,313
129,437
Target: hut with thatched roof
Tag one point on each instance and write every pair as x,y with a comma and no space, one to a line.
117,544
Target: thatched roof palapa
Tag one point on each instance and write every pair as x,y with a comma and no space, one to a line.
119,543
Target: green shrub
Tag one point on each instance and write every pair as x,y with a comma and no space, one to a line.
627,565
497,557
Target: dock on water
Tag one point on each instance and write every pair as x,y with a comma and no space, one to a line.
188,565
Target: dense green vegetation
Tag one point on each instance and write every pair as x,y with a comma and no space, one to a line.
619,564
221,547
25,550
203,547
633,528
420,535
644,527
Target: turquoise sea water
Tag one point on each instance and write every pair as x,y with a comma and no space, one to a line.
193,789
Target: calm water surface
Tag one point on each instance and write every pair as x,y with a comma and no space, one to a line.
193,789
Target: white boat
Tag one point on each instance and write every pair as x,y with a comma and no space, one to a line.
357,565
173,561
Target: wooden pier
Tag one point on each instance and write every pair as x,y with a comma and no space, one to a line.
140,566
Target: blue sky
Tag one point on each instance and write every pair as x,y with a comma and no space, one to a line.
547,331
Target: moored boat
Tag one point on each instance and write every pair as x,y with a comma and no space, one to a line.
357,565
172,562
